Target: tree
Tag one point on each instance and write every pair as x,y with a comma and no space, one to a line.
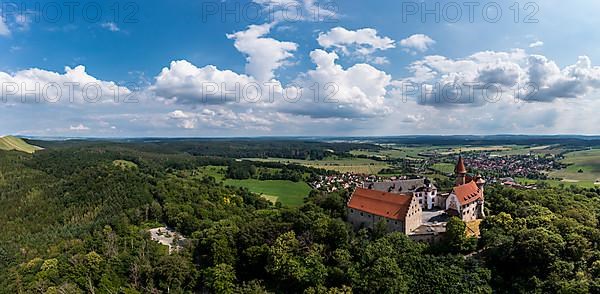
293,267
383,276
455,234
221,278
175,272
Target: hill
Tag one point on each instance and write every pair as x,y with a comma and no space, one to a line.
14,143
75,219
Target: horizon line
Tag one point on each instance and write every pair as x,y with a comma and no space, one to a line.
302,136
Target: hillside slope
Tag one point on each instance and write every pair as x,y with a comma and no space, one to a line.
14,143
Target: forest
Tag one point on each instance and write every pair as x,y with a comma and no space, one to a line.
73,221
230,148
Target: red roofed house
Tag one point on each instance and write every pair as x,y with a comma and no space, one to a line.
400,212
466,198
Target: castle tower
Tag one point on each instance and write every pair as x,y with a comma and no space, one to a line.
460,171
479,181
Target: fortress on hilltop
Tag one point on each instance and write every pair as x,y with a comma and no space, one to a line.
415,207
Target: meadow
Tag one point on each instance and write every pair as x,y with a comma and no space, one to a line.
558,183
445,168
289,193
581,166
18,144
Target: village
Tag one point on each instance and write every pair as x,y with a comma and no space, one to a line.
497,169
527,166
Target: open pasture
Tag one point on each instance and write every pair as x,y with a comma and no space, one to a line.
445,168
559,183
287,192
582,166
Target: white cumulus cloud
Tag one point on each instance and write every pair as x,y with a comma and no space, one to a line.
513,75
221,118
185,83
536,44
264,55
75,86
356,92
417,42
361,42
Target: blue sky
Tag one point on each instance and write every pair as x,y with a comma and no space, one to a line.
382,68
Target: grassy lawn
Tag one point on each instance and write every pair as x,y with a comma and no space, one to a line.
355,165
583,166
287,192
445,168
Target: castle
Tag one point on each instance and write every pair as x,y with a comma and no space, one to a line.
414,206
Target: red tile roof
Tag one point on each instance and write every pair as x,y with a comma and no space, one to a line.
460,166
467,193
389,205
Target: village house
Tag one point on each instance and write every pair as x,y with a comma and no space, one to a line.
414,206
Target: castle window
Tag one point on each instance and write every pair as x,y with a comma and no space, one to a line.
361,214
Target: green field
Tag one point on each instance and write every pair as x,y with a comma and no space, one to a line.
582,166
524,150
355,165
445,168
14,143
558,183
287,192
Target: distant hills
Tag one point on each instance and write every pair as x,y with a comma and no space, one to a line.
18,144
